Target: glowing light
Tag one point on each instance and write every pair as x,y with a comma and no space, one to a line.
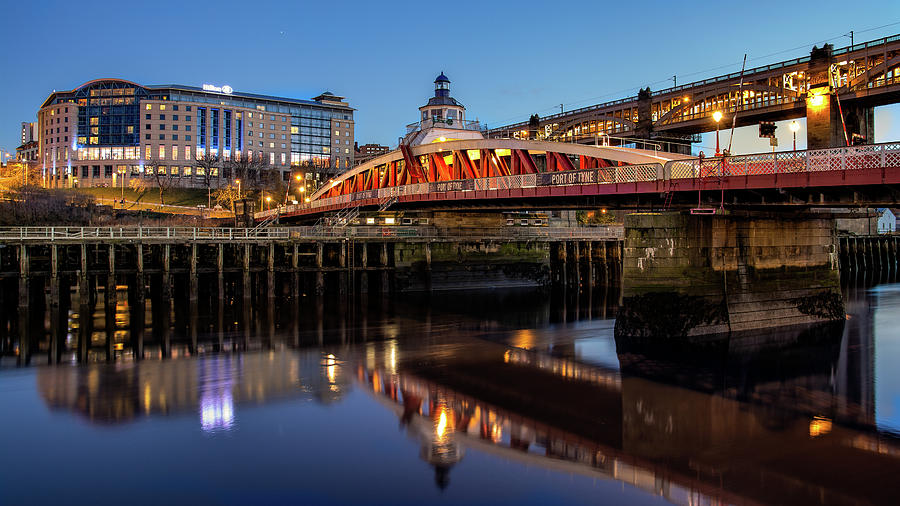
819,426
442,139
816,100
794,126
297,177
389,221
717,116
370,221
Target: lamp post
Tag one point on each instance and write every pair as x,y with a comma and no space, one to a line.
717,116
794,127
121,172
238,181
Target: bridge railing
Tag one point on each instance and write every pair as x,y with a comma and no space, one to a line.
845,158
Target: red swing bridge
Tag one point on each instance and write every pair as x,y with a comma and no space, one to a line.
509,174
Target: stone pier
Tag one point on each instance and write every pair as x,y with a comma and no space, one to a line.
698,275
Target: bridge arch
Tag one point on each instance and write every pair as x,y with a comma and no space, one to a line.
475,159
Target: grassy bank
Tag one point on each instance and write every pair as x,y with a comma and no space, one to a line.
188,197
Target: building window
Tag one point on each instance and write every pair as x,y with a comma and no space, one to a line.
174,137
162,137
201,125
146,116
214,118
162,117
187,152
162,107
148,107
271,158
162,152
174,117
175,152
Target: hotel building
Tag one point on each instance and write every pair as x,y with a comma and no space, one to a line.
109,129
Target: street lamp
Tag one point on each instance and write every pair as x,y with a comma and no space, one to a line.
268,199
794,127
238,181
717,116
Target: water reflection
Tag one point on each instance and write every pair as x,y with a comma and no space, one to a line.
787,417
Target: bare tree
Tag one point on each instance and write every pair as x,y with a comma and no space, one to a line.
247,169
208,167
163,181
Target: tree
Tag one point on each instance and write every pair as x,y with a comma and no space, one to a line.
139,187
246,169
160,177
207,168
226,195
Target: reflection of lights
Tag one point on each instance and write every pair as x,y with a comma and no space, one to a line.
506,356
148,398
216,411
442,424
819,426
216,397
392,361
330,367
496,433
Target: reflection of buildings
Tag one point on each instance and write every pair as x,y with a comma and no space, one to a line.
213,387
687,445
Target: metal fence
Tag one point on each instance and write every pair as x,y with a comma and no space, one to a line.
210,234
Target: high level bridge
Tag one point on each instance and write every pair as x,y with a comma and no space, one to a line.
861,76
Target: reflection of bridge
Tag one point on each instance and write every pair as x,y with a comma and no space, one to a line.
510,174
862,76
686,445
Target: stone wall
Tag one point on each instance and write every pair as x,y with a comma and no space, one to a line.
698,275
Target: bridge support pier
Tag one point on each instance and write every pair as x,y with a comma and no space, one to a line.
700,275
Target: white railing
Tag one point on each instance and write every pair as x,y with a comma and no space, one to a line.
870,156
211,234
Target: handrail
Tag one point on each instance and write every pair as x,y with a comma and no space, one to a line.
55,234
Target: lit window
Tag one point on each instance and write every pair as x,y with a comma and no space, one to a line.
187,152
148,106
271,158
162,107
174,152
162,152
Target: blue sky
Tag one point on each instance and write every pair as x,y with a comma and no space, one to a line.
507,60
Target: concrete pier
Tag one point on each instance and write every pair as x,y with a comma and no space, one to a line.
696,275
